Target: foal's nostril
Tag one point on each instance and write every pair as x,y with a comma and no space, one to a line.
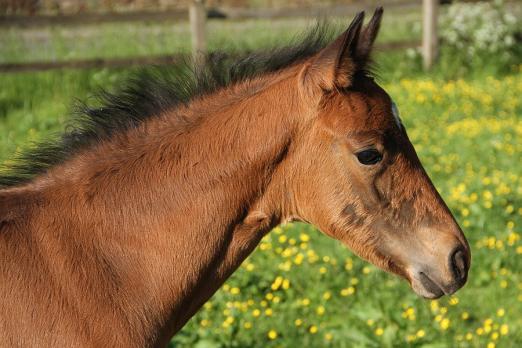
458,264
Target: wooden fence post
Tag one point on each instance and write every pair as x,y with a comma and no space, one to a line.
430,41
198,17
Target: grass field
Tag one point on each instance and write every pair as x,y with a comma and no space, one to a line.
301,288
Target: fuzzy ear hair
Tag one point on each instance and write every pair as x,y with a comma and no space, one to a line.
334,66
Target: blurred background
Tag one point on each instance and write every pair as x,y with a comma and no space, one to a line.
453,68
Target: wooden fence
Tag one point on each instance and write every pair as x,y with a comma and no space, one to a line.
198,14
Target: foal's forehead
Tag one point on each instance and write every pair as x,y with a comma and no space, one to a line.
369,108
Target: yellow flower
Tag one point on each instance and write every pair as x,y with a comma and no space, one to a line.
298,259
328,336
501,312
313,329
491,345
504,329
327,295
286,284
379,331
320,310
247,325
348,291
434,306
304,237
445,323
298,322
272,334
265,246
268,312
465,315
228,321
235,291
421,333
204,323
409,313
256,313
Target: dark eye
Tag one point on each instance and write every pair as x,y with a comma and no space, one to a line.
369,157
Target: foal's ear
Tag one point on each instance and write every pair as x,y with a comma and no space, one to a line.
334,66
368,36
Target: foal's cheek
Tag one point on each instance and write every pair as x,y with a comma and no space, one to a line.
383,187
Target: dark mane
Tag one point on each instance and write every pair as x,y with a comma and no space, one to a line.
150,92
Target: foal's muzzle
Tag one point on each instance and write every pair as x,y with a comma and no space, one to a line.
430,281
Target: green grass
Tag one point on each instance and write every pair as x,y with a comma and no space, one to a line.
300,287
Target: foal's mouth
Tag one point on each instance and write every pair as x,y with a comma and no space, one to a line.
431,286
426,287
420,282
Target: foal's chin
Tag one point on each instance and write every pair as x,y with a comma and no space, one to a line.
429,292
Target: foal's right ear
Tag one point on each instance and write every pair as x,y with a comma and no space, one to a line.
335,65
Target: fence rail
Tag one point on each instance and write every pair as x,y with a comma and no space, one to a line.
136,61
38,21
182,14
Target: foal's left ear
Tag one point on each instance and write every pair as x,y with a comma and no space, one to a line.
335,65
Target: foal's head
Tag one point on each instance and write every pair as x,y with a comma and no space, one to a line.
358,177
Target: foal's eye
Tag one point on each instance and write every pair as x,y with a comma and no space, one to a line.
369,157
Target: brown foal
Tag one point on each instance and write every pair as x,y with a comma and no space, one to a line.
137,217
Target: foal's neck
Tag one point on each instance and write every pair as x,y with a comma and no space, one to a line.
183,213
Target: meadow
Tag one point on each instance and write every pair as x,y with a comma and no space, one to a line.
301,288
